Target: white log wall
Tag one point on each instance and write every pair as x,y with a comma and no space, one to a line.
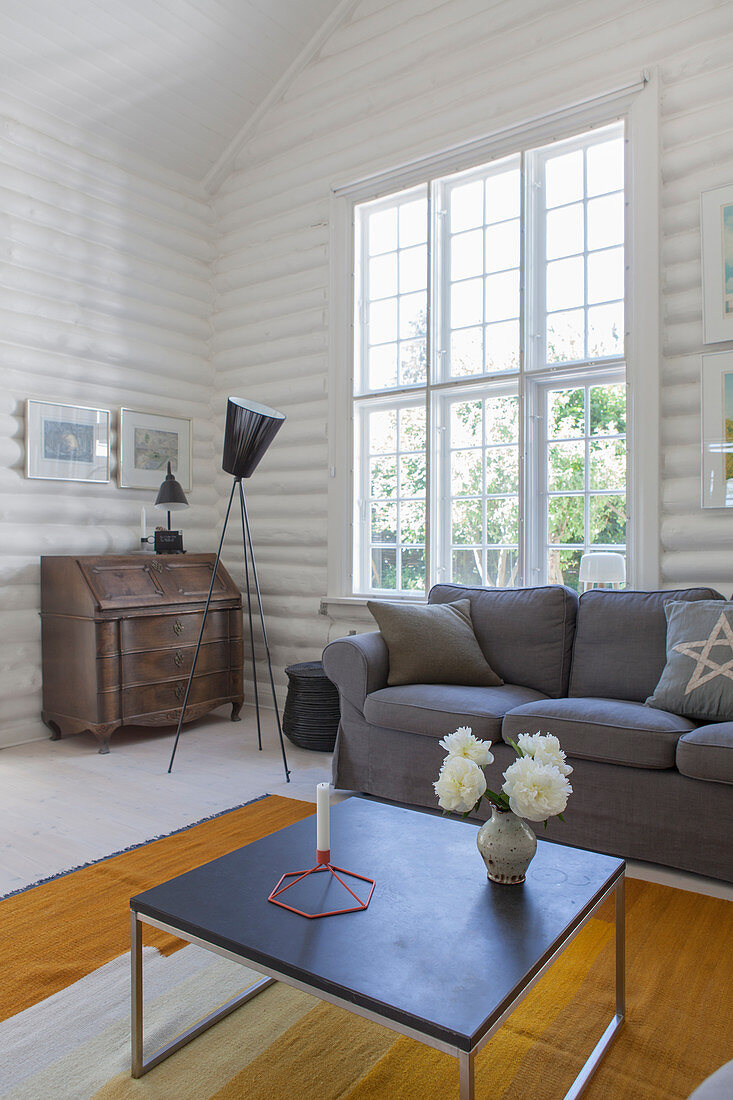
407,78
106,301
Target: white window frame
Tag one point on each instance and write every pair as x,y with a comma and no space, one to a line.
637,105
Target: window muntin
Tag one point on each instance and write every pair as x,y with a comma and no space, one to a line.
472,291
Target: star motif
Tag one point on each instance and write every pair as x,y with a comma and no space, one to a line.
700,653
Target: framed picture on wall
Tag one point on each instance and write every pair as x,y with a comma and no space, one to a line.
147,444
717,430
716,223
66,442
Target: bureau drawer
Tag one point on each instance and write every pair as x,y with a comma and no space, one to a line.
169,695
170,664
178,629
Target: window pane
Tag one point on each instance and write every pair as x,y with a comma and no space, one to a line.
383,321
566,519
413,223
606,330
503,196
606,221
466,352
502,246
466,473
501,567
413,568
467,255
412,524
384,522
466,522
502,521
466,567
502,420
466,206
565,283
501,343
382,231
383,477
412,475
412,429
607,410
413,362
384,568
564,179
502,296
382,431
413,269
606,275
382,366
566,336
605,167
502,470
608,520
565,413
466,421
383,276
608,464
565,231
467,303
413,316
566,466
563,567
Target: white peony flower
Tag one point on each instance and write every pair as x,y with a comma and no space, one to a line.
463,743
535,790
459,785
545,749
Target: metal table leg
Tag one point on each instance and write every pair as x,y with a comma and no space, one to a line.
465,1075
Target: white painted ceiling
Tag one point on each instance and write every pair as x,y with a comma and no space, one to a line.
173,81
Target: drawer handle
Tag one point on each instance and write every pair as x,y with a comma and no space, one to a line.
178,627
180,691
178,659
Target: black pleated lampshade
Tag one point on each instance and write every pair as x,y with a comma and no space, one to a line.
249,431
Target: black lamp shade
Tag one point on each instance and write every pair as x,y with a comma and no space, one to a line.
249,431
170,496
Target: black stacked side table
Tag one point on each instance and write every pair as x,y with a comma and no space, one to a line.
312,713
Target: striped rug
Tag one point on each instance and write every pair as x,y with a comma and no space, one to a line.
65,1000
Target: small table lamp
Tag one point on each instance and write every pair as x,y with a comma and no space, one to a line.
170,498
602,567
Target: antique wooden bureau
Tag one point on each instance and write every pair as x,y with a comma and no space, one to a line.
119,635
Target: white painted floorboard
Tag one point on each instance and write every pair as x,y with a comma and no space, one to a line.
62,804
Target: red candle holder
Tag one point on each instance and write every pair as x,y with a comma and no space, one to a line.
323,863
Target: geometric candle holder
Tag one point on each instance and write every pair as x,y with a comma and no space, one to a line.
323,864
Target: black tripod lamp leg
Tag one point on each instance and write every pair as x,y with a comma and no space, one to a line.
203,627
251,626
264,630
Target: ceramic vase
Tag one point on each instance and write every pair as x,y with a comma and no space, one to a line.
507,845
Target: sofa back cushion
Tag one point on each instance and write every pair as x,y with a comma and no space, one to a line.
620,647
526,634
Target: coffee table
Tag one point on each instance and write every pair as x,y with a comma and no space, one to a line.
441,954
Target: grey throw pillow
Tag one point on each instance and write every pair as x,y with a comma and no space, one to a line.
434,644
697,680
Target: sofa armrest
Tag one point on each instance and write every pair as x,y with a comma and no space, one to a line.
357,665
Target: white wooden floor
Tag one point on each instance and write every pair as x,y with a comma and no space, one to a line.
62,804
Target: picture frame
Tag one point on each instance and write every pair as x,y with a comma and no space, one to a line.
717,430
716,232
147,443
66,442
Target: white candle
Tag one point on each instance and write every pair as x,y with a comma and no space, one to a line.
143,525
323,831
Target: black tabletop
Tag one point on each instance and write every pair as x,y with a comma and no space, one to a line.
440,948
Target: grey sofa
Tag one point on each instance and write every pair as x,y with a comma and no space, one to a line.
647,784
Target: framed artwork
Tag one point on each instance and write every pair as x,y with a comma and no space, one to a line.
716,222
66,442
147,444
717,430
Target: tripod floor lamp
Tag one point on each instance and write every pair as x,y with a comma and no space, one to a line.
250,429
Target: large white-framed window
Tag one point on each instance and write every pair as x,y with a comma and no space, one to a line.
484,301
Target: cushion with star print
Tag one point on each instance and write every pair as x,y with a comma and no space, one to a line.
697,681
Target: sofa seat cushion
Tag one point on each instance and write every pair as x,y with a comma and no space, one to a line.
437,709
614,731
707,753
